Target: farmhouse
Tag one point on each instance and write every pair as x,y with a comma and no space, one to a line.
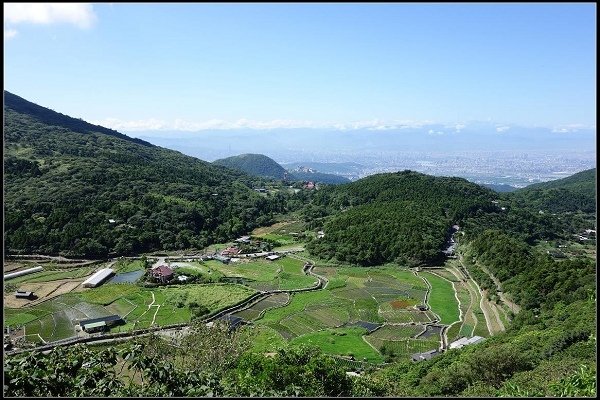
98,278
230,251
162,273
457,344
23,272
272,257
428,355
422,307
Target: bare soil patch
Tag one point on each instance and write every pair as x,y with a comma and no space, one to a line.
397,304
268,229
43,291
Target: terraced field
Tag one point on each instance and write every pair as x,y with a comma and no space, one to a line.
373,295
363,312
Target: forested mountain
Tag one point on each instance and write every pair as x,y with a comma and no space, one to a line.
404,217
263,166
77,189
50,117
576,192
318,177
254,164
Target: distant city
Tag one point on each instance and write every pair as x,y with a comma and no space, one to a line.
484,153
495,168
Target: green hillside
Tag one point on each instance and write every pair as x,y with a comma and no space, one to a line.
254,164
319,177
576,192
65,179
403,217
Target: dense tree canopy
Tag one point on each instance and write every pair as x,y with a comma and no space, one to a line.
62,187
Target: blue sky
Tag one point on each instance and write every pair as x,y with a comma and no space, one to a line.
196,66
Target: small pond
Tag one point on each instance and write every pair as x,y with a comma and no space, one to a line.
127,277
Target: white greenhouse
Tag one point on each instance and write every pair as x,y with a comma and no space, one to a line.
98,278
24,272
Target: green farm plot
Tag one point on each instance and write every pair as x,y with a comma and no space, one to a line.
397,332
283,274
302,323
108,293
442,299
342,341
273,301
213,296
336,283
330,316
260,271
400,340
21,316
125,265
51,327
121,307
447,274
281,239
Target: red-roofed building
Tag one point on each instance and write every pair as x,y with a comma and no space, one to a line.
230,251
162,273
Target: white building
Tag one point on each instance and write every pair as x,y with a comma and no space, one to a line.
98,278
465,342
24,272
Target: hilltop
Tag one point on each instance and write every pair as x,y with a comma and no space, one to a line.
77,189
263,166
254,164
403,217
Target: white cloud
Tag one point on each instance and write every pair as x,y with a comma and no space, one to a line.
9,34
244,123
139,125
501,129
79,14
572,128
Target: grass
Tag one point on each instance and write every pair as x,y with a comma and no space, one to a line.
442,299
20,316
266,339
342,341
108,293
124,266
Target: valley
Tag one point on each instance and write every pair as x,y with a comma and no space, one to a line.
145,260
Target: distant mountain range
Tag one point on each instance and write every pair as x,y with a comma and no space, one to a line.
318,144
